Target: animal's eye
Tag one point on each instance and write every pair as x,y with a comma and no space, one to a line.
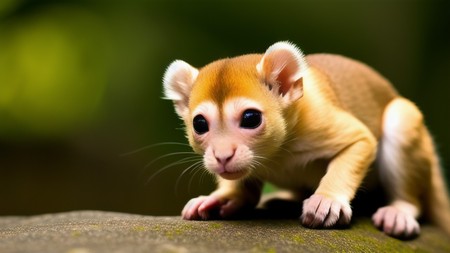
200,124
251,119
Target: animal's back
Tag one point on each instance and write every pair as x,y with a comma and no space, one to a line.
359,89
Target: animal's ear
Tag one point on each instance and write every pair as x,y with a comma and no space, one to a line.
282,68
178,81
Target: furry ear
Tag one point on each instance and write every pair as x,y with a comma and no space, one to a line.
178,81
282,68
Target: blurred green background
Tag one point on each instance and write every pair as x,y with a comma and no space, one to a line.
80,85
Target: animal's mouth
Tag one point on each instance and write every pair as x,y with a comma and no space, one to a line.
234,175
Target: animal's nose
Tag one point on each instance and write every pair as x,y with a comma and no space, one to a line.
224,157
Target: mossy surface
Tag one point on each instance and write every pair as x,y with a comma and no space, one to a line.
116,232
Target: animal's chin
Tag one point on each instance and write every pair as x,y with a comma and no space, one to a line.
233,175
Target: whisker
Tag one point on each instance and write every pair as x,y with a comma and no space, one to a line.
286,142
258,157
261,170
152,146
289,139
168,155
267,160
203,175
287,151
262,166
159,171
192,178
193,166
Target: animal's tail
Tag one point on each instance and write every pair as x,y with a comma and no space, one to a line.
438,210
410,165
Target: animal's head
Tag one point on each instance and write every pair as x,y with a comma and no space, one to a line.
234,108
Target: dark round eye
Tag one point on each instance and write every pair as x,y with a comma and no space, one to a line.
200,124
251,119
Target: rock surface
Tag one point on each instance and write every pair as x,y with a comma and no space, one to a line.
97,231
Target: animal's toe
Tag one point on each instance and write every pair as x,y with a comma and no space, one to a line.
396,223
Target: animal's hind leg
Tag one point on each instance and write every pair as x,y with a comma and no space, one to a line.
404,166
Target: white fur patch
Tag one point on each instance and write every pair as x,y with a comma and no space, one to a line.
210,111
400,121
389,157
233,108
178,80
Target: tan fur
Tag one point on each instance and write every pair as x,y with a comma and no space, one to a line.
357,87
325,118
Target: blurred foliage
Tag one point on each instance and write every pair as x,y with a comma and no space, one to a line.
80,84
7,6
52,71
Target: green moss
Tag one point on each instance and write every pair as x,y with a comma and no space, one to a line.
363,236
139,228
169,234
76,233
172,233
326,243
178,230
215,225
156,228
185,227
298,239
263,250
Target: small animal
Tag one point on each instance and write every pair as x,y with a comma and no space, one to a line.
317,122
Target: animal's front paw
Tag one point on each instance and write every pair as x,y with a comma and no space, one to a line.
210,207
396,223
322,212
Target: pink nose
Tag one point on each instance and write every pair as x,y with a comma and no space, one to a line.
224,158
